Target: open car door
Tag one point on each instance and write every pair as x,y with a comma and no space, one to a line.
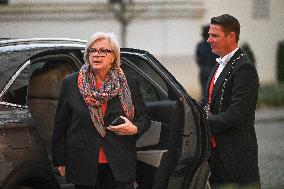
170,151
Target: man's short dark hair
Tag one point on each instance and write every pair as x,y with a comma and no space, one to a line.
229,24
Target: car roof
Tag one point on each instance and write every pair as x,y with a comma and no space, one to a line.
5,42
52,42
41,43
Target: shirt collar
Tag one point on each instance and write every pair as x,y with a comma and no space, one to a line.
223,61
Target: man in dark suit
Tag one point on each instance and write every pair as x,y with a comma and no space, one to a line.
230,100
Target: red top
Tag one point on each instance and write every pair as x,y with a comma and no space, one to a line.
102,155
211,86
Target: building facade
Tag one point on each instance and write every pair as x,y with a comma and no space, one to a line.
170,30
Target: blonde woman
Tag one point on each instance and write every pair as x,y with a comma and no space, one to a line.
87,149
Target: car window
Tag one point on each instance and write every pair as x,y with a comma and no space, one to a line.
148,91
151,85
17,92
63,65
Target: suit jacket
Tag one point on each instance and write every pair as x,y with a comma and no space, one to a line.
76,141
233,122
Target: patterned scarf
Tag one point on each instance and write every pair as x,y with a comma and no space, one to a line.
114,84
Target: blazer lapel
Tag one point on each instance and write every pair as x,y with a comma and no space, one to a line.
224,74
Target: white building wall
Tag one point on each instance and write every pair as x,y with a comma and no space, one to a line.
172,41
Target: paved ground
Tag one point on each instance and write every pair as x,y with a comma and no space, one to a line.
270,134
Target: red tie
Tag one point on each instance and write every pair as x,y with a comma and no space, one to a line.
211,86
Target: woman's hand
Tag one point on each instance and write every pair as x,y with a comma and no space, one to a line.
126,128
61,170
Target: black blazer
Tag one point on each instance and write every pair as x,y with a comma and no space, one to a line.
234,125
76,142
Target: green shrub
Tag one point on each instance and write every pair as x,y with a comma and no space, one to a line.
248,51
271,95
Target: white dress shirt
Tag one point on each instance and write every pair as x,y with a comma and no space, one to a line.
222,63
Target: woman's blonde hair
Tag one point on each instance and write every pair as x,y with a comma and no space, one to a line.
113,42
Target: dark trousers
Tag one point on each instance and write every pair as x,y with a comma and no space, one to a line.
219,174
106,180
220,177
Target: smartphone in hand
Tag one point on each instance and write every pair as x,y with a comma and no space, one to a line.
117,121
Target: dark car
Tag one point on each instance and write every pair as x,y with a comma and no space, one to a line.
172,154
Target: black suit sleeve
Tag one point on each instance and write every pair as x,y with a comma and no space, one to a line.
241,103
62,120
